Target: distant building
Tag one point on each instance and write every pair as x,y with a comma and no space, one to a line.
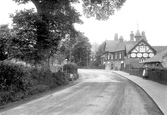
158,61
120,54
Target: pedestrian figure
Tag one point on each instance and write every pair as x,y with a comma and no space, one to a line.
145,72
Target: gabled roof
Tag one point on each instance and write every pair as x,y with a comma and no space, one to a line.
142,40
120,46
129,46
113,46
159,48
157,58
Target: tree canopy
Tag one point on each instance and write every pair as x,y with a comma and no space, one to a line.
101,9
77,49
40,32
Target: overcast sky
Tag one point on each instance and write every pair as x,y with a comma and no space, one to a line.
150,14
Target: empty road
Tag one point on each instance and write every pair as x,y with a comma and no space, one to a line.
100,92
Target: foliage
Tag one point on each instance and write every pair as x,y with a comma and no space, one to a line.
98,55
33,45
4,41
18,82
12,77
82,50
101,9
61,78
70,68
79,47
53,20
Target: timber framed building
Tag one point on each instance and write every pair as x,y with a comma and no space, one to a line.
120,54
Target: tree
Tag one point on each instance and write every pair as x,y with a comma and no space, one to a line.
94,50
25,39
101,9
82,50
77,49
59,16
4,41
49,10
98,55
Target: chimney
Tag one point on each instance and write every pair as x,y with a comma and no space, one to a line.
121,39
143,35
116,37
131,36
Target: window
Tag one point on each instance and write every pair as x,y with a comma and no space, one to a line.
108,56
115,55
142,49
111,56
120,55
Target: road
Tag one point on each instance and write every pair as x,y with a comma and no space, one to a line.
100,92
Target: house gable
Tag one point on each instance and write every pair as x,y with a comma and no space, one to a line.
142,50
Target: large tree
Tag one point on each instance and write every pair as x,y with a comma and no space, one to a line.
57,13
31,46
101,9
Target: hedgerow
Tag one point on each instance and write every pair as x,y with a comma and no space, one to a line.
18,82
71,68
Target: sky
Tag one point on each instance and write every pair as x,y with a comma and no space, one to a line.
150,15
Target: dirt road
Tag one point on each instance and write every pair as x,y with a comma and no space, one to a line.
100,92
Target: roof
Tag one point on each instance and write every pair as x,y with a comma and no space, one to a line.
129,46
141,40
120,46
113,46
159,48
157,58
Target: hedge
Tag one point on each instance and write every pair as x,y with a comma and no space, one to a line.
71,68
18,82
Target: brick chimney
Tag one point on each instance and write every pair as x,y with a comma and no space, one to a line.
116,37
131,36
121,39
143,35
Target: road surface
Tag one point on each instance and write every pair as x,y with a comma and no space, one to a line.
100,92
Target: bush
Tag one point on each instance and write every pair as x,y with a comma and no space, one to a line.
70,68
61,78
18,82
12,77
